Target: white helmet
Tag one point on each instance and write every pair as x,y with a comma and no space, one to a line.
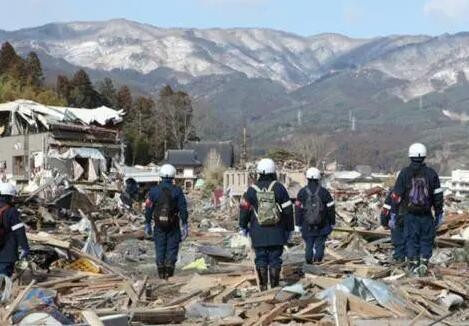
313,173
266,166
417,150
167,171
7,189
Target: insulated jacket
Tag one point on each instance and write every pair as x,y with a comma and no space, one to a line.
266,236
177,195
329,213
15,237
403,184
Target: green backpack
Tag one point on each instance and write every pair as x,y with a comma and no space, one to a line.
268,211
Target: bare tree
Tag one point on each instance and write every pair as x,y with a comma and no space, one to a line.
313,149
177,113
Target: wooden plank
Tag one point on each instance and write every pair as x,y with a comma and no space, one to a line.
313,308
150,316
183,298
340,308
18,299
267,298
48,240
323,282
59,281
129,289
223,297
91,318
365,309
268,318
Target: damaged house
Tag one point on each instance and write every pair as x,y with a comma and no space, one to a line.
79,143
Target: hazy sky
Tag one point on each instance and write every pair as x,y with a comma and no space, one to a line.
358,18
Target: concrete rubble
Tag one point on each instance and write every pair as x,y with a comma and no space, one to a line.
92,265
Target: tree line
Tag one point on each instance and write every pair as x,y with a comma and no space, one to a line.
151,125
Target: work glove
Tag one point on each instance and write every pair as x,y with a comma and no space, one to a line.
148,230
24,253
297,229
438,219
243,232
184,232
392,221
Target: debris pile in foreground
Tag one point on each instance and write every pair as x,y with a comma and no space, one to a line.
92,264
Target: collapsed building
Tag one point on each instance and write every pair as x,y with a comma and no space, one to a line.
76,142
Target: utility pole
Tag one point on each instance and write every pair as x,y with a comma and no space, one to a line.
244,149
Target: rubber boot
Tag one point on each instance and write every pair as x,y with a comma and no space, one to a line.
274,273
309,261
263,277
412,266
169,271
162,272
423,267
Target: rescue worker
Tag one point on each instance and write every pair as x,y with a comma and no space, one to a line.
266,214
131,190
12,231
166,206
416,192
315,216
397,230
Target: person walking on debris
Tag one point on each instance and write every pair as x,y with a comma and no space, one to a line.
416,191
315,216
266,214
397,230
166,205
12,231
130,194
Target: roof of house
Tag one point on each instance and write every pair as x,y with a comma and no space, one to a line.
223,148
181,157
35,113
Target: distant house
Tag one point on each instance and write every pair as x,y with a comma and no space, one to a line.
213,153
460,183
187,166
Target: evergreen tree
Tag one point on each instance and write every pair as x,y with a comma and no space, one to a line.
8,58
34,73
82,93
124,98
63,87
108,92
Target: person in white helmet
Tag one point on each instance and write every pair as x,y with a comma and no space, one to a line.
12,231
266,214
167,207
315,216
416,192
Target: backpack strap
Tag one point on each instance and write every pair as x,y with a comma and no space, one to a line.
256,188
271,186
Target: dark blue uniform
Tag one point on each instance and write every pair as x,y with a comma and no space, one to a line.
397,233
130,194
167,240
315,236
15,238
268,241
419,229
